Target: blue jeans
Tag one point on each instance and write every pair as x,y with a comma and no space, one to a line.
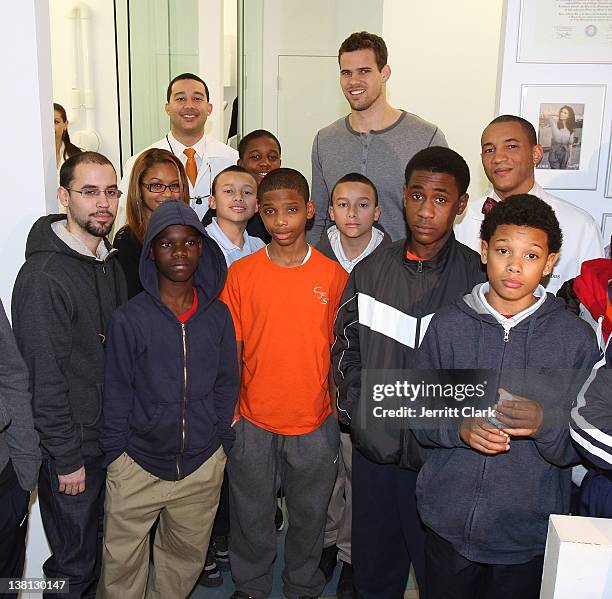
73,525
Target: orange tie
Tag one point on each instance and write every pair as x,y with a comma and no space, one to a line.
191,168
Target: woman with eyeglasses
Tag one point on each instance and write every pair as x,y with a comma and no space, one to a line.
157,176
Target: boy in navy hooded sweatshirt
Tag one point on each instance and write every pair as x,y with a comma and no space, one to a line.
171,382
489,484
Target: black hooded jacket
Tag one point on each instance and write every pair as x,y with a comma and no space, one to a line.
386,307
62,303
170,388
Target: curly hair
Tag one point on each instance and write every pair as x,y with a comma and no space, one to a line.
524,210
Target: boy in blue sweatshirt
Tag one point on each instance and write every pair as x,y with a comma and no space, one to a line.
485,492
171,382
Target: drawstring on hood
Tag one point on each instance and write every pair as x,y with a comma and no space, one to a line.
210,275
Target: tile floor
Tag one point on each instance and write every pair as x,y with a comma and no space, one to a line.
225,591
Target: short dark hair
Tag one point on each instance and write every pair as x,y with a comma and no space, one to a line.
354,178
524,210
183,76
437,159
284,178
528,128
233,168
67,170
249,137
362,40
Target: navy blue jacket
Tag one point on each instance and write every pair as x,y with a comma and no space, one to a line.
495,509
170,389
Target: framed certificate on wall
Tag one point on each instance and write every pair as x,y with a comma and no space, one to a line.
565,31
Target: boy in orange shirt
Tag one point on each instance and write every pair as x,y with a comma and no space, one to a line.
283,300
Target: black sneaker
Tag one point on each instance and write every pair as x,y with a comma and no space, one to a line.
222,553
329,559
210,577
279,519
241,595
346,588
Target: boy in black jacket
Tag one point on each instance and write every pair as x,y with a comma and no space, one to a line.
388,302
491,481
170,388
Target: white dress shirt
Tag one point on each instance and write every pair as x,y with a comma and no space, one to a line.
581,236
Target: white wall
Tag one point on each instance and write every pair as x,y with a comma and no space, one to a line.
297,102
514,74
444,57
28,162
101,28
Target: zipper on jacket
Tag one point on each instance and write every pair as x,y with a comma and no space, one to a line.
184,404
482,474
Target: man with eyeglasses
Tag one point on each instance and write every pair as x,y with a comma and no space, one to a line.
188,106
62,302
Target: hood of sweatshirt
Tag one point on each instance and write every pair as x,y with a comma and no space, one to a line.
546,307
210,275
43,238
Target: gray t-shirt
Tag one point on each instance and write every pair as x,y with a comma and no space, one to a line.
379,155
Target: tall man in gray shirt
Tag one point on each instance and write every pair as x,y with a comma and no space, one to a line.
375,139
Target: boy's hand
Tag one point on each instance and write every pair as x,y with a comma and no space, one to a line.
482,436
522,416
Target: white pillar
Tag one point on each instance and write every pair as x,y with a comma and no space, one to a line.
210,34
27,159
27,151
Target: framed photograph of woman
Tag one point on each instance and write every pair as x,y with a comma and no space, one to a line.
560,134
568,120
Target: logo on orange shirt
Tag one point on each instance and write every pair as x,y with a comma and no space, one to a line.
321,295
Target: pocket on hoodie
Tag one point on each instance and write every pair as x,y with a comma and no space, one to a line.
86,404
147,425
201,422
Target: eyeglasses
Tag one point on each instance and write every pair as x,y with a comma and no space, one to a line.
160,187
93,192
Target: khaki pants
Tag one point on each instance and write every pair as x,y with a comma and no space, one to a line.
186,509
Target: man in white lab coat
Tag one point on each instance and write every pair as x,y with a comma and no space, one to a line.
188,106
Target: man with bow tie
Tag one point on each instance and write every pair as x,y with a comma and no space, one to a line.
510,153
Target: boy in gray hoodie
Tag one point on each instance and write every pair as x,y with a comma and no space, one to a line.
489,484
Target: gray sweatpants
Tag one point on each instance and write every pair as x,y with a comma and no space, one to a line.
307,466
340,510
